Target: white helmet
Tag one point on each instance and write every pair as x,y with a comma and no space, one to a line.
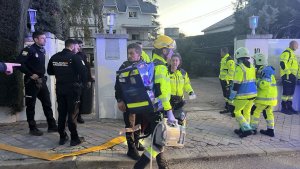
260,59
241,53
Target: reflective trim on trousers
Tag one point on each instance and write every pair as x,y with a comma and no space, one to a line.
286,98
152,152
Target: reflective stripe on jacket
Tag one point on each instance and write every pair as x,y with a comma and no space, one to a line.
162,81
246,78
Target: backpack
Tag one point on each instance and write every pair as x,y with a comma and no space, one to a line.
137,84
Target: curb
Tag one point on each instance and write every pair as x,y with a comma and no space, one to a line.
95,162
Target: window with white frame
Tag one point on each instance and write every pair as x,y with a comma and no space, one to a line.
132,14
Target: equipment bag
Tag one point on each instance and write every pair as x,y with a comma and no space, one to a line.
169,135
137,82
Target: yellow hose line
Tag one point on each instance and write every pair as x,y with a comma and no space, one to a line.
55,156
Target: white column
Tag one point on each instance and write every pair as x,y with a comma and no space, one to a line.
110,53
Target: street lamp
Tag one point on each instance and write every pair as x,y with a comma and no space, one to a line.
253,23
32,18
110,18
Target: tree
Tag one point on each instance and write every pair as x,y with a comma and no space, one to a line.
273,14
49,16
79,12
13,23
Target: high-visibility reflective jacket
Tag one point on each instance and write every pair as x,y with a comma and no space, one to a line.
266,90
227,67
299,71
245,77
162,81
290,62
180,82
145,57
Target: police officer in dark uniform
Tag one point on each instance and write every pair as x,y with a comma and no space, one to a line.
32,61
71,76
90,79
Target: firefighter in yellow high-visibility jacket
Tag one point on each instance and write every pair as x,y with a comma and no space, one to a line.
243,92
180,83
227,67
164,49
288,73
266,95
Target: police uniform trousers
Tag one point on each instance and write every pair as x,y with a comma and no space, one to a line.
157,150
68,107
289,86
34,90
226,93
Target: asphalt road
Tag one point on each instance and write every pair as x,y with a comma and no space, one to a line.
291,161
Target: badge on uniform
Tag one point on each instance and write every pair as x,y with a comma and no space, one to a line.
24,53
36,55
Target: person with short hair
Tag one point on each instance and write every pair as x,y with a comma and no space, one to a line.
288,73
144,55
32,60
90,79
70,73
134,57
227,67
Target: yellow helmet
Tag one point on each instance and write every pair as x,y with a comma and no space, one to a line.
260,59
241,53
164,41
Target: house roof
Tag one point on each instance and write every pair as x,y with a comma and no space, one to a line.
223,23
123,5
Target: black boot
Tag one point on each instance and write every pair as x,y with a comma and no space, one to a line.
268,132
224,111
35,132
245,134
80,119
132,150
291,110
52,127
63,139
75,140
237,131
284,108
161,161
142,163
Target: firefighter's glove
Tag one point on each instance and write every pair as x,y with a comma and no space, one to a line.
171,118
192,95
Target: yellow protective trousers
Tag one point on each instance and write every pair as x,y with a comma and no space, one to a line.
243,119
256,115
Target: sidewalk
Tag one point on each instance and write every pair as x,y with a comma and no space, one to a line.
209,135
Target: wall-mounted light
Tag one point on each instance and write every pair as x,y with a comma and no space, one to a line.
253,23
32,18
110,18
